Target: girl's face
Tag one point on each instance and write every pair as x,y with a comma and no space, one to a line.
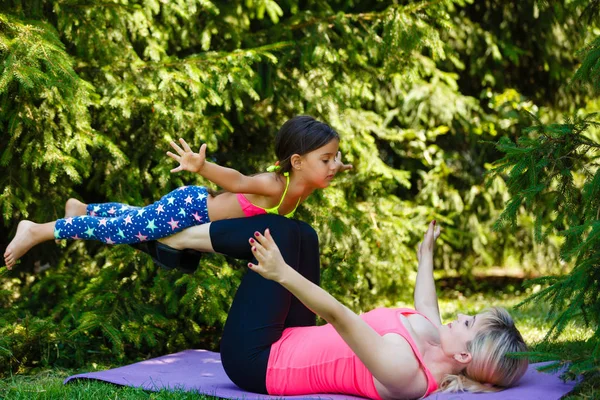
319,166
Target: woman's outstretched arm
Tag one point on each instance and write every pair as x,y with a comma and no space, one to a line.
383,358
426,301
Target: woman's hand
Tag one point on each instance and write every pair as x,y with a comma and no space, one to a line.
340,166
428,243
187,159
270,262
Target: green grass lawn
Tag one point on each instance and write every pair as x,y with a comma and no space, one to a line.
531,320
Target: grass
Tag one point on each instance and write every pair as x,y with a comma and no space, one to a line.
531,321
48,386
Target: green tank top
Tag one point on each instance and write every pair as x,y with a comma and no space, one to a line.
275,210
251,209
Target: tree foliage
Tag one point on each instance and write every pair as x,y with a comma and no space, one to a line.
553,171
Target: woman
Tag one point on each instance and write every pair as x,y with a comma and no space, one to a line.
271,345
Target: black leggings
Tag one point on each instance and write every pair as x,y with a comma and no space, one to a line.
262,309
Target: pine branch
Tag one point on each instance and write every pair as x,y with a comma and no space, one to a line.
589,71
216,59
406,9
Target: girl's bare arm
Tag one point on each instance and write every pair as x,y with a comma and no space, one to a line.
227,178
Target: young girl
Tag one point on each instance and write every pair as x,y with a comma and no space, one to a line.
308,159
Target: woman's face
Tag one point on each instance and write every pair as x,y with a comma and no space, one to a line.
455,335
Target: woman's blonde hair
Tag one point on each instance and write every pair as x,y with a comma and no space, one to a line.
490,368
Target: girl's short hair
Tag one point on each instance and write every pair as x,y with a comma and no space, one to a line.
301,135
490,368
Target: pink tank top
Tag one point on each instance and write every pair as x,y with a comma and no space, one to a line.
315,359
251,210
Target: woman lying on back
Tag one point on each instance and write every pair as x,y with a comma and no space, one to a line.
271,345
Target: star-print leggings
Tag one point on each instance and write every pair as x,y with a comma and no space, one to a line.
116,223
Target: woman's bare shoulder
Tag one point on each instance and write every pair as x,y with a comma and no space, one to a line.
406,376
410,380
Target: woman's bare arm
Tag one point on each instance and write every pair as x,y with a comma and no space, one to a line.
383,358
426,301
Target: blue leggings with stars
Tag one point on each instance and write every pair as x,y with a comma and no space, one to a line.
116,223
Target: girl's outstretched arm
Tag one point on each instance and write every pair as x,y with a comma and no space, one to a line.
227,178
426,301
380,356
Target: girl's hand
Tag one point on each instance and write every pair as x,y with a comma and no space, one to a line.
427,245
270,262
187,159
340,166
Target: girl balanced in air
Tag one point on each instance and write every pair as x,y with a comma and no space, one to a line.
308,159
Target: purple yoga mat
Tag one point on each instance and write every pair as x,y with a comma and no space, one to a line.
201,371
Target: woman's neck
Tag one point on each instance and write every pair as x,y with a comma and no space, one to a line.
439,363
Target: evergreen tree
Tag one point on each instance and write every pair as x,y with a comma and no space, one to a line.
553,171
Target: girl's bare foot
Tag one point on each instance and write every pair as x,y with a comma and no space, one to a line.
28,235
75,208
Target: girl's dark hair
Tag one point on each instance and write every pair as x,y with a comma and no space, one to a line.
301,135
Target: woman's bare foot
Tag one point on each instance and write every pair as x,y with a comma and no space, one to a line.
194,238
28,235
75,208
171,242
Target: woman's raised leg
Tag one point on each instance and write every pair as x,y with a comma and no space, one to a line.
261,307
309,266
199,238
